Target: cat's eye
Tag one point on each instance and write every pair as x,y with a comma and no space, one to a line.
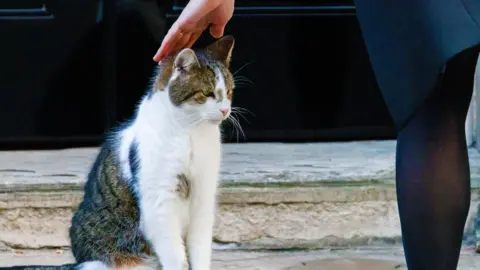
210,94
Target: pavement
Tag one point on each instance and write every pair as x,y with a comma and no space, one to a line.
365,258
336,197
272,195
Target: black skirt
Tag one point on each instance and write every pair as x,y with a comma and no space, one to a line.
409,42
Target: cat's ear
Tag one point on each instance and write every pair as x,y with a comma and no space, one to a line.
222,49
186,59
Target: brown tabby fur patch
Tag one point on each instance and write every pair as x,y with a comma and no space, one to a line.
123,261
183,186
199,82
106,225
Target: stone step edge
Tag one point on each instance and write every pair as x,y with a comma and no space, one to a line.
77,184
248,218
226,195
329,242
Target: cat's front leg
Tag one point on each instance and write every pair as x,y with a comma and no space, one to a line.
199,237
162,227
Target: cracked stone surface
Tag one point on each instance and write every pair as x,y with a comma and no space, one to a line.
370,258
272,196
266,164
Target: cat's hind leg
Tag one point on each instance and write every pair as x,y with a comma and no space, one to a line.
98,265
120,263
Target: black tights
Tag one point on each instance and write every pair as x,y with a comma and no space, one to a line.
432,171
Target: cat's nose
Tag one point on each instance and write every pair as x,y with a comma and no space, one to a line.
224,111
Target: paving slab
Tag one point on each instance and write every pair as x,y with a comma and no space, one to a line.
365,258
272,195
253,165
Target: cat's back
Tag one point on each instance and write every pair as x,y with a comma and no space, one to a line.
108,217
106,184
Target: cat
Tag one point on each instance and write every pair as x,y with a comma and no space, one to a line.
150,196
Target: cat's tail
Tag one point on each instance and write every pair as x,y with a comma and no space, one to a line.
42,267
89,265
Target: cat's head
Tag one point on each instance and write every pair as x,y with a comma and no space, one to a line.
199,82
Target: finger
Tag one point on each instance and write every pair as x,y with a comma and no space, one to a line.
217,30
168,43
193,38
189,18
164,48
182,43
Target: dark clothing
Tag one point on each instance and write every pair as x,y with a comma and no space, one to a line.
432,171
424,53
409,42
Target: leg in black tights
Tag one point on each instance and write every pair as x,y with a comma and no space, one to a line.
433,175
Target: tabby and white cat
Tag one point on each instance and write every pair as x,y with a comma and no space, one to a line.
150,196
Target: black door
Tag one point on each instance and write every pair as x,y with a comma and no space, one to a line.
303,73
50,71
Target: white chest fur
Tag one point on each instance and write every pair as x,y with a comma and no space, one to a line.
177,226
205,156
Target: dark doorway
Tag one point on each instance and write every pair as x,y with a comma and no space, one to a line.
304,73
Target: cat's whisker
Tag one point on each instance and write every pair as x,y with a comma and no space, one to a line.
237,126
240,109
242,79
241,115
243,82
230,121
234,127
242,67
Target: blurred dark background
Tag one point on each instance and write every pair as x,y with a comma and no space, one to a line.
70,70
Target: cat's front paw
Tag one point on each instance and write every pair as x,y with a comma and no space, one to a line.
200,264
175,266
174,261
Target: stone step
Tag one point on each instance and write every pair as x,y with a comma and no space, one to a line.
271,195
364,258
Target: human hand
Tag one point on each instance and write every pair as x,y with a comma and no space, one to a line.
197,16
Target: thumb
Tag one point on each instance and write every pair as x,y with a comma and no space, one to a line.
216,30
